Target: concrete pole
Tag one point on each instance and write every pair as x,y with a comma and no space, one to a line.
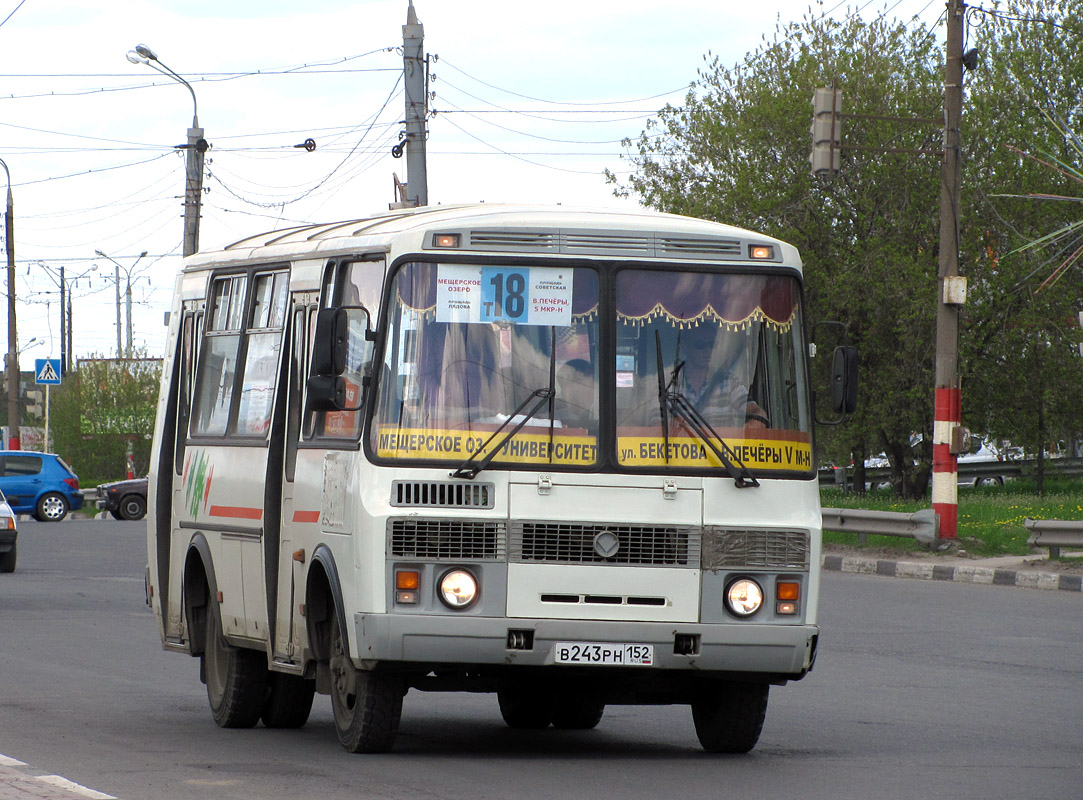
63,326
948,400
12,365
128,315
413,65
193,185
116,287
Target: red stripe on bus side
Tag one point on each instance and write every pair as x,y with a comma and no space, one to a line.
236,512
306,516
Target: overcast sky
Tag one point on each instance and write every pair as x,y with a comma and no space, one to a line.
531,103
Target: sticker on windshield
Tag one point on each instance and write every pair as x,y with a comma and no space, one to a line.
519,295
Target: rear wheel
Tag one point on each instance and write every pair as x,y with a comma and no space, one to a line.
52,507
236,678
367,705
289,701
524,709
7,560
729,717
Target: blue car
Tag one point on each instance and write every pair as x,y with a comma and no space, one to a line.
39,484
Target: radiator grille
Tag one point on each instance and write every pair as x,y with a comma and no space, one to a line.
725,548
574,543
441,494
448,539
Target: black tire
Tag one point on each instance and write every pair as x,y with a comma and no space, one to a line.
525,710
236,678
367,705
729,717
577,712
52,507
289,701
116,515
7,561
132,507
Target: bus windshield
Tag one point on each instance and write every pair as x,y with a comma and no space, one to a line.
474,350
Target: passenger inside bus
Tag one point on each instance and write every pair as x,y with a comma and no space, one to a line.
713,379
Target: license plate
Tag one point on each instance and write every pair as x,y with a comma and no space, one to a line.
612,654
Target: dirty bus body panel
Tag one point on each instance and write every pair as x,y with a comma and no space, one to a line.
560,455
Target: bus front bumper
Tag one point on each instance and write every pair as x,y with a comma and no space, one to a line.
784,650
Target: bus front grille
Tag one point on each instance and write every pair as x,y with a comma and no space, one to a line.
448,539
594,543
728,548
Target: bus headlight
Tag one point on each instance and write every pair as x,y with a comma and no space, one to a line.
744,597
458,589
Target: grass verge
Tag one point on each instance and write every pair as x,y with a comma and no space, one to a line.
990,517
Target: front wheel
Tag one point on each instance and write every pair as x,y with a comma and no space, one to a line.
367,705
52,507
575,711
236,678
525,710
729,717
133,507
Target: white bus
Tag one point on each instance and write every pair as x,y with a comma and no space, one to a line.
559,455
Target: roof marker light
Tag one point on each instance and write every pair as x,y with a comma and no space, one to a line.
446,239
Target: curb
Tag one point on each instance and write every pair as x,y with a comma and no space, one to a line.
959,574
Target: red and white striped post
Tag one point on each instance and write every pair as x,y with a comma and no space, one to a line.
948,415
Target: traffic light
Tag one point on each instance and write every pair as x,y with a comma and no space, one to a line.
826,156
34,402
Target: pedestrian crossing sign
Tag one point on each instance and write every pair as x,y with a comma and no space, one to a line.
47,371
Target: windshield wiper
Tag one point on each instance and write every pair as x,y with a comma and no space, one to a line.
469,469
679,405
546,397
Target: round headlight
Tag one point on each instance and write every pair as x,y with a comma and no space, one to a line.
458,589
744,597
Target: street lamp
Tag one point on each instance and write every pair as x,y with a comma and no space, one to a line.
12,365
127,295
196,147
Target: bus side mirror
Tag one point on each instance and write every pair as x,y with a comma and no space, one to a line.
332,342
326,393
844,380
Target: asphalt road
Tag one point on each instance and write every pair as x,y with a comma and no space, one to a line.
922,689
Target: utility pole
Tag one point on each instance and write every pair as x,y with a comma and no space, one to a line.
193,185
65,342
12,366
947,438
415,80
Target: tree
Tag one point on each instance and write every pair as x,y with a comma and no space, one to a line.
1020,341
737,152
102,409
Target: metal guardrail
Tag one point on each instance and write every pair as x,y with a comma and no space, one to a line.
832,476
922,525
1054,534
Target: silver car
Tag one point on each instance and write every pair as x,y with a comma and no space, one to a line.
8,536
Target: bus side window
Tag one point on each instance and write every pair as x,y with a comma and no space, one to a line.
213,391
186,354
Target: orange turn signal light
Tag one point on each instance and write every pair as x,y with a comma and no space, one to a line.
788,591
761,251
407,579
